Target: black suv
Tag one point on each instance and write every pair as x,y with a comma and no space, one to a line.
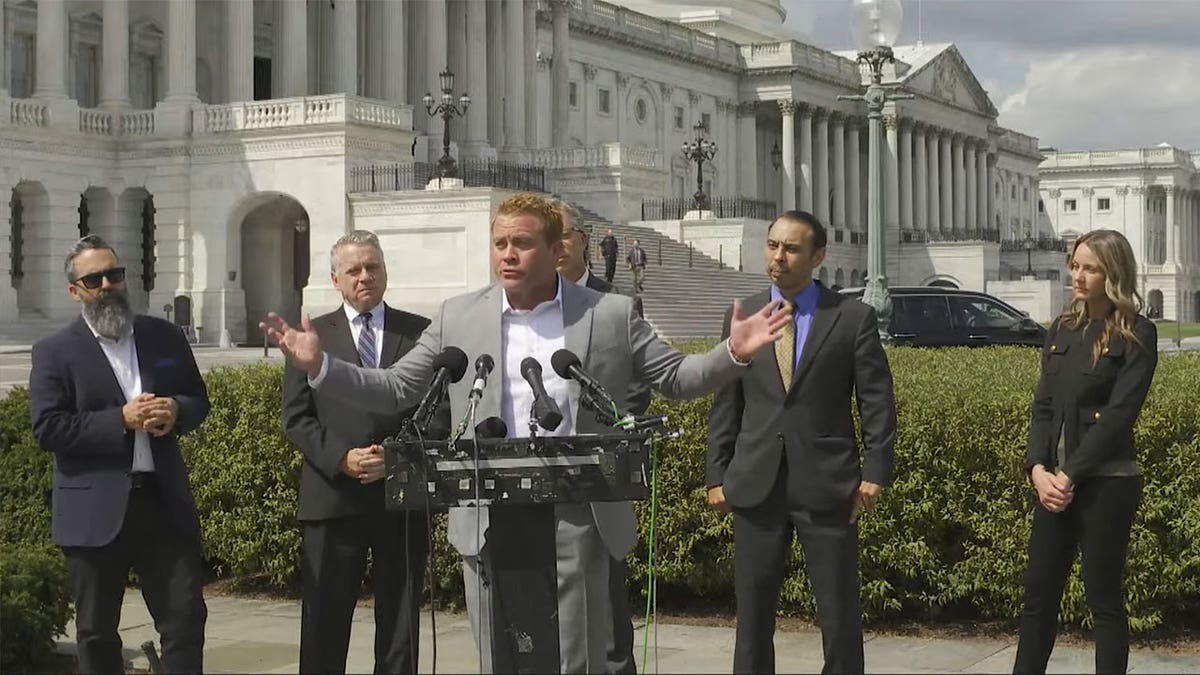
931,316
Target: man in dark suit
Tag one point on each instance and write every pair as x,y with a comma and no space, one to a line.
573,267
342,512
609,249
111,394
782,454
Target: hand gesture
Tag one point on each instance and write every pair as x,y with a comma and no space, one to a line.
135,413
749,334
1053,491
864,499
163,414
300,345
365,464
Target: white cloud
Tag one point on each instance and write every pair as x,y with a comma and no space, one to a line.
1109,98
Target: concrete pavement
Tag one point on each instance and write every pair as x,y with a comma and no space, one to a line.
262,636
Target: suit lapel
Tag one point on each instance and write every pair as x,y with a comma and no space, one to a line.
822,323
485,338
577,321
341,342
753,304
144,344
391,337
91,346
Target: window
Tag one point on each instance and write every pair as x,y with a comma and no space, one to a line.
639,111
86,80
1103,204
706,120
1041,206
1025,194
23,51
573,94
1070,205
678,117
921,314
602,96
971,312
1014,192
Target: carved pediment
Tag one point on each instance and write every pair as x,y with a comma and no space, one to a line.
947,77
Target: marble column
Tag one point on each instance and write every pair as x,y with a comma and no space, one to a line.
947,179
839,171
747,133
890,192
476,75
51,79
972,185
1172,197
239,50
181,51
906,176
821,167
114,85
436,54
960,178
934,157
560,113
854,208
532,95
514,54
3,94
294,50
787,163
394,76
345,55
920,180
806,158
981,187
991,192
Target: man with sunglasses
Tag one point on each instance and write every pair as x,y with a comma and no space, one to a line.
111,395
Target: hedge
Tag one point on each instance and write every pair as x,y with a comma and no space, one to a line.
947,540
35,605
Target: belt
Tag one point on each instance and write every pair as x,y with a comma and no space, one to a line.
142,479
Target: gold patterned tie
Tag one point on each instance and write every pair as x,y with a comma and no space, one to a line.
785,347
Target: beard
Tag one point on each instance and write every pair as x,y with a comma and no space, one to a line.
109,313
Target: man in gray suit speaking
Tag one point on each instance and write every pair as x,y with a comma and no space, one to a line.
531,311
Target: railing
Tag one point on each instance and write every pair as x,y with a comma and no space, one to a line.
674,208
653,32
1039,244
1090,158
301,111
785,54
925,237
30,113
1015,274
847,237
473,172
116,123
604,155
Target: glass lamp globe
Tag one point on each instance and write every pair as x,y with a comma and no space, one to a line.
875,23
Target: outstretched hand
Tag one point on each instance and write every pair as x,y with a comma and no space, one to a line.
749,334
300,345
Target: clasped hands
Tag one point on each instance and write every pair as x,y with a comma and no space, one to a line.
156,415
1054,490
365,464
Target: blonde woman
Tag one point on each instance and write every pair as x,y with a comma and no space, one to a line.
1097,365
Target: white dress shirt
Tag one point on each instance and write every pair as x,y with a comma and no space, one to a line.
582,281
537,332
356,326
122,356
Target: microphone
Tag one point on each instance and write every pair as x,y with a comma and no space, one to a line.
448,366
492,427
545,410
483,368
569,367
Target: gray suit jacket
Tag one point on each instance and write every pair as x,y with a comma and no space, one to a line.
616,346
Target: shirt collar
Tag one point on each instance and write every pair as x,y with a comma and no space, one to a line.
506,308
583,280
376,314
805,301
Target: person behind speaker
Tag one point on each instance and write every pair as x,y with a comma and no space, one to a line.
341,511
782,453
1097,366
531,311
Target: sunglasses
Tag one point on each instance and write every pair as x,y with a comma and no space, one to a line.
92,281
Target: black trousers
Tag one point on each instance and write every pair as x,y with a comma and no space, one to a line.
620,649
1097,523
169,569
334,561
762,537
610,268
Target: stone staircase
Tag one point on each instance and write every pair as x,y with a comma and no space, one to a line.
682,299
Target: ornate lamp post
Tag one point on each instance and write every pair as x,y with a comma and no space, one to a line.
699,150
776,156
876,25
1029,245
446,167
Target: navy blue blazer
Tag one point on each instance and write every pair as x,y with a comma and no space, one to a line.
76,408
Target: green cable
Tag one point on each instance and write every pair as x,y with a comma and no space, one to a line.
650,556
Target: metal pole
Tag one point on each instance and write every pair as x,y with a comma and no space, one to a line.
659,249
689,254
721,256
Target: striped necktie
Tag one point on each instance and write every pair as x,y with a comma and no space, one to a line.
366,342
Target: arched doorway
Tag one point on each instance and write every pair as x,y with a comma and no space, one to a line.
33,272
274,261
1155,298
1195,306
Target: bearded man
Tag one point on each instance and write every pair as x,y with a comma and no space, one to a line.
111,395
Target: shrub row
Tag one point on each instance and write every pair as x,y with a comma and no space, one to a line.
948,539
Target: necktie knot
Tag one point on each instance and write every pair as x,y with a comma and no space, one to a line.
366,342
366,318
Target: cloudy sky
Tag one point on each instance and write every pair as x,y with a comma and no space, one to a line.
1078,74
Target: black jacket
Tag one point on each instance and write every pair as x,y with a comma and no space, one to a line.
753,421
1093,406
325,427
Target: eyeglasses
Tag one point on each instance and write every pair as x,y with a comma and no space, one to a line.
92,281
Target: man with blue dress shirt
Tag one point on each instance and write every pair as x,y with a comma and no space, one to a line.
783,457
